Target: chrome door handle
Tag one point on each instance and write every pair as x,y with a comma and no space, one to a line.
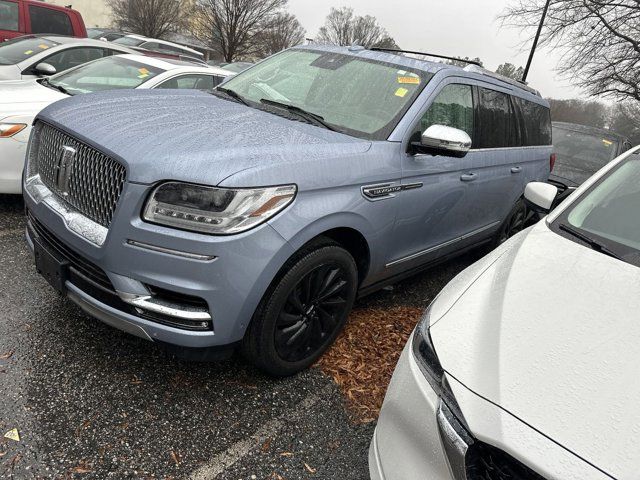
516,169
468,177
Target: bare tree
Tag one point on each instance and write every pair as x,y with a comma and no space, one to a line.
591,113
343,27
151,18
509,70
599,39
280,32
625,120
462,62
232,27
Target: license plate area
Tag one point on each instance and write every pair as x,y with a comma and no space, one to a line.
52,267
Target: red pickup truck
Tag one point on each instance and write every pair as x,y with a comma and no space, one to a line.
23,17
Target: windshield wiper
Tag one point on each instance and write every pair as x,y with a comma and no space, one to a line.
233,94
314,117
60,88
592,242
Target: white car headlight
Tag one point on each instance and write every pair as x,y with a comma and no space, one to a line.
213,210
10,129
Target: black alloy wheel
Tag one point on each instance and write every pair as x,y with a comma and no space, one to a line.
514,224
304,310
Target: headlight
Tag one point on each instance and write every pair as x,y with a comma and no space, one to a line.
10,129
427,359
217,211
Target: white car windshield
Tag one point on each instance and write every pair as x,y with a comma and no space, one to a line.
19,49
354,95
108,73
609,212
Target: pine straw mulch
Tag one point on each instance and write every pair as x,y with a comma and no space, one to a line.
365,354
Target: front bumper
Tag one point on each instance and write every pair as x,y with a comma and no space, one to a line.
229,274
406,444
12,154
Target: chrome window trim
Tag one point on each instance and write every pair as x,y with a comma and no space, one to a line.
442,245
74,220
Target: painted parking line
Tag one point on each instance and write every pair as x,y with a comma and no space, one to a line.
221,462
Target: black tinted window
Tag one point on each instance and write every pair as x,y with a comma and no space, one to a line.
452,107
8,15
535,121
192,82
497,120
47,20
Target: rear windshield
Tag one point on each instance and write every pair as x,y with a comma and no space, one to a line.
582,154
357,96
130,41
19,49
109,73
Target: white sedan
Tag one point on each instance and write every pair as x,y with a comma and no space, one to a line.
526,365
21,100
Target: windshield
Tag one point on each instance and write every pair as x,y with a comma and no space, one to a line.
580,154
15,51
610,211
108,73
357,96
130,41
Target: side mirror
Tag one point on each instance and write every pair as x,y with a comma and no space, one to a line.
540,196
45,69
443,140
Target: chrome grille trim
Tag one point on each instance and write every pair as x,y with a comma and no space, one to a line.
95,182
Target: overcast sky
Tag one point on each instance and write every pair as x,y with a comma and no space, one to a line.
450,27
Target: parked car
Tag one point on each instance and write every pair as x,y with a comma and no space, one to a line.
105,34
35,56
524,366
24,17
160,46
237,67
254,216
581,152
21,100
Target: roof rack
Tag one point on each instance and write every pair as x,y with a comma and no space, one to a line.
511,81
397,50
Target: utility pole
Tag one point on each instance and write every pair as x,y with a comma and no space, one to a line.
535,41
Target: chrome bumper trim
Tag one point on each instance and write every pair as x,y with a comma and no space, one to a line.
455,441
152,304
75,221
170,251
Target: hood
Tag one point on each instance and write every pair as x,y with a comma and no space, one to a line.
549,332
26,97
193,136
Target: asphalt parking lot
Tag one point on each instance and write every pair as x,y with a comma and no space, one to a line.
91,402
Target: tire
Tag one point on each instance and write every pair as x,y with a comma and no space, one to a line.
303,311
513,224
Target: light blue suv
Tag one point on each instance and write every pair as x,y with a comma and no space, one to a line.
252,216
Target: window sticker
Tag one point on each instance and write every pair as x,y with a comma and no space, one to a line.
409,80
607,142
144,73
43,46
28,52
401,92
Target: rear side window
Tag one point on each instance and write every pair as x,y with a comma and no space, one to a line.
48,20
9,16
535,122
192,82
453,107
498,125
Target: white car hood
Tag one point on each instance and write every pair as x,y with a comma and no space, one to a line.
26,96
548,331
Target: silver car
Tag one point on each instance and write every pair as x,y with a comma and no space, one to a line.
35,56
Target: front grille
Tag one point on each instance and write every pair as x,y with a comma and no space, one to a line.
485,462
95,182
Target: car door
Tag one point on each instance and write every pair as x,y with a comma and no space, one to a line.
11,24
438,190
68,58
199,81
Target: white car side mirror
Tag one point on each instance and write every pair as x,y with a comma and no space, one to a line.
540,196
